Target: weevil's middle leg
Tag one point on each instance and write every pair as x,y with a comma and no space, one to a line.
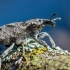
23,49
21,41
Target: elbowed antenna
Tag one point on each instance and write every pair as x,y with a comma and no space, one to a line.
58,18
51,21
53,15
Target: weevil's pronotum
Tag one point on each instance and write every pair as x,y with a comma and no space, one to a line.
18,32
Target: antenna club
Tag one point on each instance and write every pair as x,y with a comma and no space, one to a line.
57,19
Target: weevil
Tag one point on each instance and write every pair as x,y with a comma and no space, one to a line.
18,32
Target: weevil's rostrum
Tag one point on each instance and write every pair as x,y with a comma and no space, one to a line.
19,31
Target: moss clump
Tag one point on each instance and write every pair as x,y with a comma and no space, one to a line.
37,57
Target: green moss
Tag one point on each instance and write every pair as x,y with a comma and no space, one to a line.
39,57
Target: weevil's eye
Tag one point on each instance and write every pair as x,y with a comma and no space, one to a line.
39,20
42,26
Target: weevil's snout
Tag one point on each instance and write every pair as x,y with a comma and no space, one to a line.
53,24
50,23
53,21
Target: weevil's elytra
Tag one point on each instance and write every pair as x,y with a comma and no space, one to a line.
20,30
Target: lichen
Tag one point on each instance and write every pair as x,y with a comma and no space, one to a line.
37,57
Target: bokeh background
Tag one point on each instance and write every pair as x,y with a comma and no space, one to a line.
22,10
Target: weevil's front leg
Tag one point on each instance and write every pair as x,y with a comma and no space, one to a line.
35,37
44,34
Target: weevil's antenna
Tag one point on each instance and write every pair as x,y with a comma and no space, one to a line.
53,15
58,18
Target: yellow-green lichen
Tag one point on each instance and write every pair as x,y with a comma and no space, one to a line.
39,57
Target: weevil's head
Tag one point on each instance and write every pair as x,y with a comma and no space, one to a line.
38,24
51,22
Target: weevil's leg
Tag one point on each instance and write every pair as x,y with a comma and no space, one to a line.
35,37
23,49
21,41
24,41
7,51
44,34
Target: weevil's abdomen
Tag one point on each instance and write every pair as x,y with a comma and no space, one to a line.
9,32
